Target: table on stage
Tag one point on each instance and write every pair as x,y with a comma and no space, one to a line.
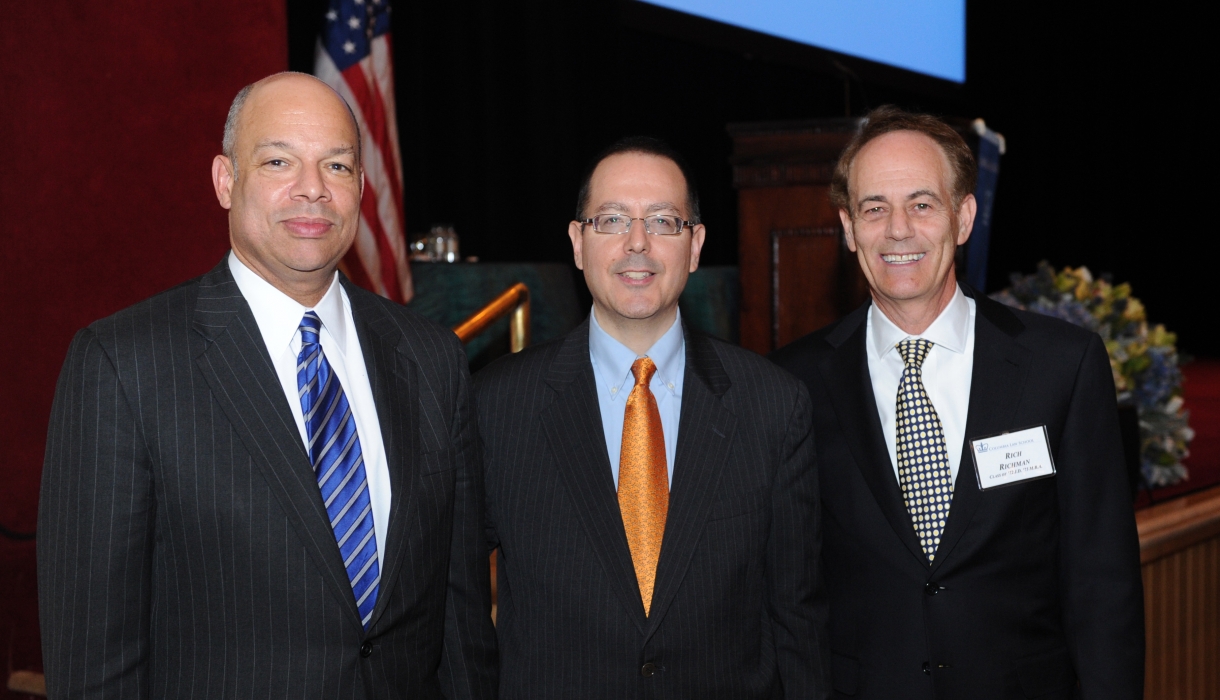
450,292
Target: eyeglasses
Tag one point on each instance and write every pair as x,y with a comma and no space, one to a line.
657,224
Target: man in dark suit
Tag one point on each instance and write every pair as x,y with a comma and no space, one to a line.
652,491
265,482
942,583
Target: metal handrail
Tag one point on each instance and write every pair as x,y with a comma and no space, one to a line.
513,302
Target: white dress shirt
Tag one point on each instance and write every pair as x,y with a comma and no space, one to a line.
612,373
946,372
279,321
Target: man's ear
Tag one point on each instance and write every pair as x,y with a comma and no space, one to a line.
574,233
698,234
965,218
222,180
849,236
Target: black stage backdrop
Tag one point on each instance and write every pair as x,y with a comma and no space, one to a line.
1110,162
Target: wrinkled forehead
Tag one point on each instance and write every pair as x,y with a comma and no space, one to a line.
303,105
900,157
625,181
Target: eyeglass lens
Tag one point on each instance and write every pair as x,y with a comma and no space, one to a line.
660,225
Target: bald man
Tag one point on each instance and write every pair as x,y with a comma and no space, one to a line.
265,481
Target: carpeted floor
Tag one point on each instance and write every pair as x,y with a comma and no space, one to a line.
19,640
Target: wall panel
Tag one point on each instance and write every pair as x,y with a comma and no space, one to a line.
1180,552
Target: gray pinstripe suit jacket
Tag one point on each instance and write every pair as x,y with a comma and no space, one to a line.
737,611
184,550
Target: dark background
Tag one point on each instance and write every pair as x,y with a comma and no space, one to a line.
499,110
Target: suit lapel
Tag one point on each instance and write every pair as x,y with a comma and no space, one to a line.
845,372
394,380
574,431
239,373
997,380
705,434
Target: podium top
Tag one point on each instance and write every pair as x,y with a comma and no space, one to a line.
808,140
793,126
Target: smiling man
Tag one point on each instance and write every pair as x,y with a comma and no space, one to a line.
265,482
957,570
652,491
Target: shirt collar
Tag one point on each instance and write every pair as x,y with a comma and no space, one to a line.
615,359
949,330
279,315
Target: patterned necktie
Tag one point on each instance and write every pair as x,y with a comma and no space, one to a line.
338,463
643,479
923,459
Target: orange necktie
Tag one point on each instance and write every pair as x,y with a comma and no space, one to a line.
643,480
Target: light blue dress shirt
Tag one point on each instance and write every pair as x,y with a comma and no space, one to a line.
612,372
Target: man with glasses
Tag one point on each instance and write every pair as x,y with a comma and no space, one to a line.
652,491
980,541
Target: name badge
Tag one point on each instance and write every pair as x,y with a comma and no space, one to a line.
1009,458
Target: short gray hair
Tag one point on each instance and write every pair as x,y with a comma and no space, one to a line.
229,141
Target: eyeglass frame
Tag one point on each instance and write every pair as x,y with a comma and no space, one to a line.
682,224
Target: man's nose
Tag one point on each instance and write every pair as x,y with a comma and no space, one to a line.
900,225
637,237
310,185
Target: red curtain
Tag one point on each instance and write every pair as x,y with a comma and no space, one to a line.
110,114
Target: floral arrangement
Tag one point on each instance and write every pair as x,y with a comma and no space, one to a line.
1143,359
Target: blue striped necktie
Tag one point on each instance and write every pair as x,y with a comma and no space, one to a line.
338,463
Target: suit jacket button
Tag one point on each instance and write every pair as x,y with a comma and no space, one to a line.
366,650
927,671
648,669
931,588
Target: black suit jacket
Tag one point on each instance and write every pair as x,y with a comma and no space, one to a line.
1034,585
184,550
737,610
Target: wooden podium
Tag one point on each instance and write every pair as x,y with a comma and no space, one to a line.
796,273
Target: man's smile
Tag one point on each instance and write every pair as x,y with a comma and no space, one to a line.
308,227
903,258
636,275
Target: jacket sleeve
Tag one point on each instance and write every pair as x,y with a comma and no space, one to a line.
469,665
796,596
95,535
1101,589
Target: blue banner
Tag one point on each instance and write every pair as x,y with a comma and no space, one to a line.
991,147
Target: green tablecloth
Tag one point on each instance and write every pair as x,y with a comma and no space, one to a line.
450,292
710,302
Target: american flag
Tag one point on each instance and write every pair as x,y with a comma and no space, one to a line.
354,57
